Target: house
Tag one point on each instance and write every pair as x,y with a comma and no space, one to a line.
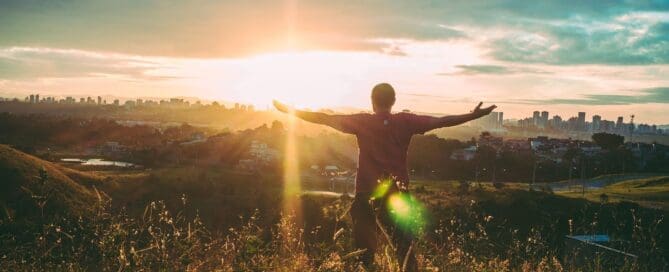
261,152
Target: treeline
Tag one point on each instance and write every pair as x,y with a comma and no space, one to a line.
429,156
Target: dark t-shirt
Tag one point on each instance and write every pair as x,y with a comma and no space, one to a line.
383,142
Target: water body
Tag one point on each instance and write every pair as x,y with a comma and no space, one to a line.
98,162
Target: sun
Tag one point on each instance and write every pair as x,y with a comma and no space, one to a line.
303,79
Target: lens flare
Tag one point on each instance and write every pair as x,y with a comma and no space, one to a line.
407,212
291,175
382,189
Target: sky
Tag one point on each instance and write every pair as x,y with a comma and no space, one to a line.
603,57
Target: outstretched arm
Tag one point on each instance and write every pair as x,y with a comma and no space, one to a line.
334,121
454,120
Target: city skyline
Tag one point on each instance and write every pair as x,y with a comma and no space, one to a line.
440,57
538,119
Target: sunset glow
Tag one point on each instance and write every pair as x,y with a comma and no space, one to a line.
334,135
441,59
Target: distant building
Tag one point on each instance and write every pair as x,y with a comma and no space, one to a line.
596,123
581,121
557,122
493,121
544,119
536,117
607,125
501,119
261,152
259,155
619,123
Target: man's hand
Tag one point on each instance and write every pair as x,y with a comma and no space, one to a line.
480,112
282,107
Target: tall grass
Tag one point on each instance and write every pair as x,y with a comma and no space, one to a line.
164,239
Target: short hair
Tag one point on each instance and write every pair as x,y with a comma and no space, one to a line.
383,95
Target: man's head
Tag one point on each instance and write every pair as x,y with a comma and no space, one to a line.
383,97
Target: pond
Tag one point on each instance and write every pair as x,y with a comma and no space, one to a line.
97,162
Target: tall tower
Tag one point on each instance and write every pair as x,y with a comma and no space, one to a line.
596,123
544,119
631,128
581,121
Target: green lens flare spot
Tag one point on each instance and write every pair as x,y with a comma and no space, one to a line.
382,189
407,212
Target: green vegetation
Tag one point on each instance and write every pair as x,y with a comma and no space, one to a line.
31,188
647,191
203,219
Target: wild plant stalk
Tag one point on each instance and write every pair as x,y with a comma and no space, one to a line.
177,239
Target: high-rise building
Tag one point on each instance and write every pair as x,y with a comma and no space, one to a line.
572,124
99,100
536,116
607,125
596,123
557,122
493,120
581,121
32,98
37,98
544,119
619,123
501,120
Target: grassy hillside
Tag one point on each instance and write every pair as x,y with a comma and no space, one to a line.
203,219
652,192
30,186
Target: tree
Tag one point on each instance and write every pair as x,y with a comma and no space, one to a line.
608,141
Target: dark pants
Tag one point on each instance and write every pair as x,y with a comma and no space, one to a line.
366,214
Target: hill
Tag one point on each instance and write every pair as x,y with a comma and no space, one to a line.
30,187
647,190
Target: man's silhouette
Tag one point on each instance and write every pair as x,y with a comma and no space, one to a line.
383,140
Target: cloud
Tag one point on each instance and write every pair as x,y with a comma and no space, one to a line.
487,69
658,95
619,43
33,63
208,29
558,32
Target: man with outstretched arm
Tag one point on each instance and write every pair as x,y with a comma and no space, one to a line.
383,141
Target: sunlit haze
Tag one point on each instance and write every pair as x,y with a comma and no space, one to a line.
441,59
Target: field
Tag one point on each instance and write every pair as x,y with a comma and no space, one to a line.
203,219
650,191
